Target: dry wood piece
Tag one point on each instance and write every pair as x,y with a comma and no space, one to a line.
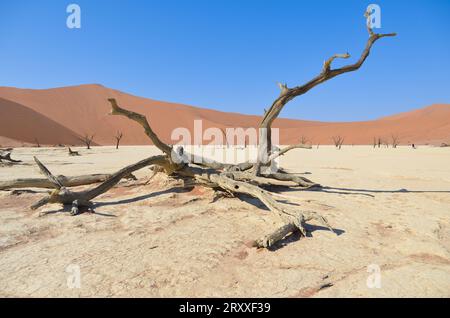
46,184
73,153
244,178
223,178
395,140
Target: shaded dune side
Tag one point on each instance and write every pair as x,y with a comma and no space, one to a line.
18,122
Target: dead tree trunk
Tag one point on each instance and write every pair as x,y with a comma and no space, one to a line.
244,178
44,183
118,136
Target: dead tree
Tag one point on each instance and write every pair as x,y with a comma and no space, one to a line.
244,178
338,141
395,140
73,153
37,142
118,136
87,140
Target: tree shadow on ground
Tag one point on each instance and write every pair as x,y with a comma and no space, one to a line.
144,197
366,191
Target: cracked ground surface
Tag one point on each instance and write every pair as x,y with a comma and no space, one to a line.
390,207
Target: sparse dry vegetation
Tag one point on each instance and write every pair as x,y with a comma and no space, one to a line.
394,140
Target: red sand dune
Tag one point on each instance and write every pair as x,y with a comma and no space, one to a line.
62,115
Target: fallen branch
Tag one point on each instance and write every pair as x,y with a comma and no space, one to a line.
46,184
78,199
288,94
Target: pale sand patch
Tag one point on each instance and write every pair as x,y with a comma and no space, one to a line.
392,207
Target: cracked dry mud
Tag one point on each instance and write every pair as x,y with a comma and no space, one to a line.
391,207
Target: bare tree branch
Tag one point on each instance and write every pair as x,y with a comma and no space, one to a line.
286,149
289,94
142,120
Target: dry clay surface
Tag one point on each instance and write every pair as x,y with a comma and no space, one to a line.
390,207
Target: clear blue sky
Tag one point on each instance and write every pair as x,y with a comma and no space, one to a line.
229,54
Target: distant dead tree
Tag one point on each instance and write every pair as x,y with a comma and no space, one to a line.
304,140
118,136
73,153
224,137
87,140
37,142
395,140
338,141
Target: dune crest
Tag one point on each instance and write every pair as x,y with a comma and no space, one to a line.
61,115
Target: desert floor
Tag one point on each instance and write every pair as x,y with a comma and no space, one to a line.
390,207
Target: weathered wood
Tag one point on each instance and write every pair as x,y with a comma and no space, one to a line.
65,196
283,151
118,137
73,153
66,181
243,178
142,120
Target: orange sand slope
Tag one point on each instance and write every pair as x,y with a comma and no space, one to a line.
62,115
